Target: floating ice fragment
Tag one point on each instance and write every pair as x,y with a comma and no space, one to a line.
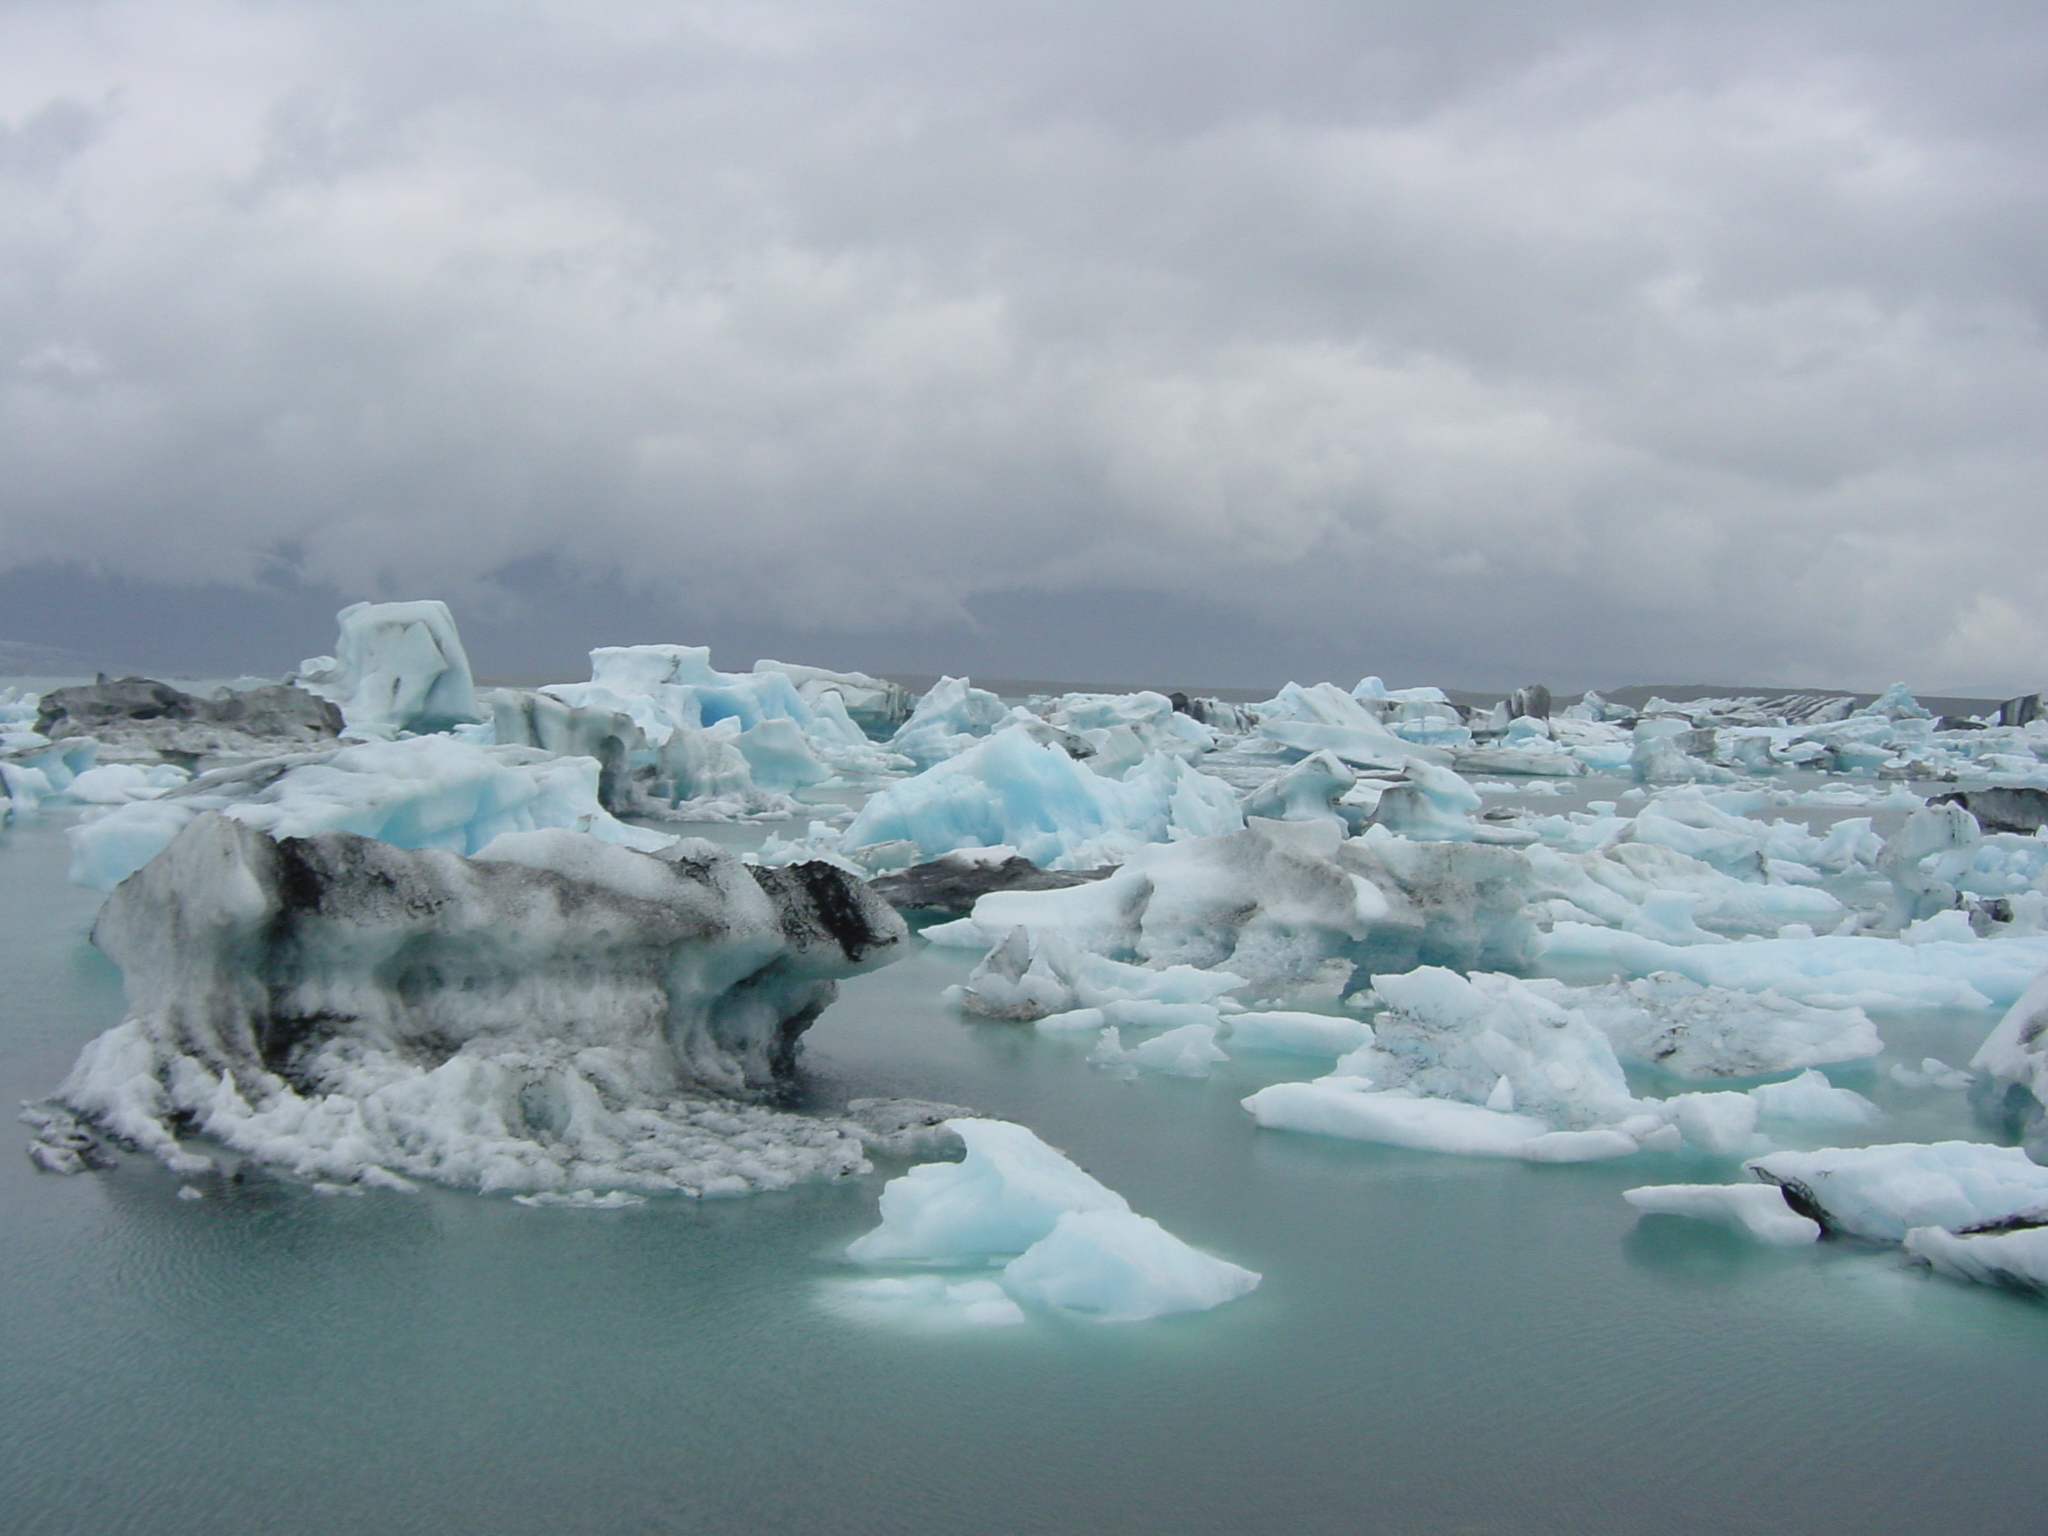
1758,1209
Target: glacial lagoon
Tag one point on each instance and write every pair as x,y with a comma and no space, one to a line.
1440,1344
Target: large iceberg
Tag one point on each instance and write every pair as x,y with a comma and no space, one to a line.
397,667
555,1015
1077,1244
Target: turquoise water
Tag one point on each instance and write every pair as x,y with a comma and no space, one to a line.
1440,1346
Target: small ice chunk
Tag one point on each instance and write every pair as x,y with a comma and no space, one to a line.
1122,1267
1758,1209
1004,1196
1189,1051
1932,1072
1720,1123
1331,1107
1811,1099
1297,1034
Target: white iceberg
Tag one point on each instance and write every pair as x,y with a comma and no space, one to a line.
2016,1258
1276,902
1118,1266
1883,1192
1689,1030
1758,1209
1077,1244
396,667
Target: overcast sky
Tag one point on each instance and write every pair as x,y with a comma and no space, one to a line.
1471,343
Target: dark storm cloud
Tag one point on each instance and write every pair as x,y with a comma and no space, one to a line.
1604,341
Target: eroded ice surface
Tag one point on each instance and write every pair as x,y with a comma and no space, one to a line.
556,1014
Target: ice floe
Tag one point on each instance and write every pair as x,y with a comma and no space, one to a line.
1062,1239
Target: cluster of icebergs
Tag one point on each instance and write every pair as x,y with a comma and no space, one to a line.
472,947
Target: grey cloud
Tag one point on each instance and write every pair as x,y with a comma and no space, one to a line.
1601,340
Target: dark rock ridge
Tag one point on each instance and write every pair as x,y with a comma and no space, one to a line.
951,886
141,718
2002,808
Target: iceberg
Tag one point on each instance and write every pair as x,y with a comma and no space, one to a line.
1013,791
1351,1108
875,704
137,720
1277,900
421,792
555,1014
1031,975
1829,970
1447,1036
1005,1195
1758,1209
1690,1030
1118,1266
950,718
396,667
2015,1257
2011,1067
1187,1051
1298,1034
1077,1244
1883,1192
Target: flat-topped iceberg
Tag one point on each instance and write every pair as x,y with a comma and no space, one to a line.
556,1014
1757,1209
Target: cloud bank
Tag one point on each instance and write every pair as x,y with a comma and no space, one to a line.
1611,342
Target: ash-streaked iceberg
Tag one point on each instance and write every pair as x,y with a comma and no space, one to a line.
557,1014
1277,901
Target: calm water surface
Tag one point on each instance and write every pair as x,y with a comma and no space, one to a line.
1441,1345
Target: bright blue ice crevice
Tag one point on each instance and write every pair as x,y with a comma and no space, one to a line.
1012,790
420,792
1062,1239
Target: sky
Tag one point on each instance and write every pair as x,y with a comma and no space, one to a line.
1107,340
